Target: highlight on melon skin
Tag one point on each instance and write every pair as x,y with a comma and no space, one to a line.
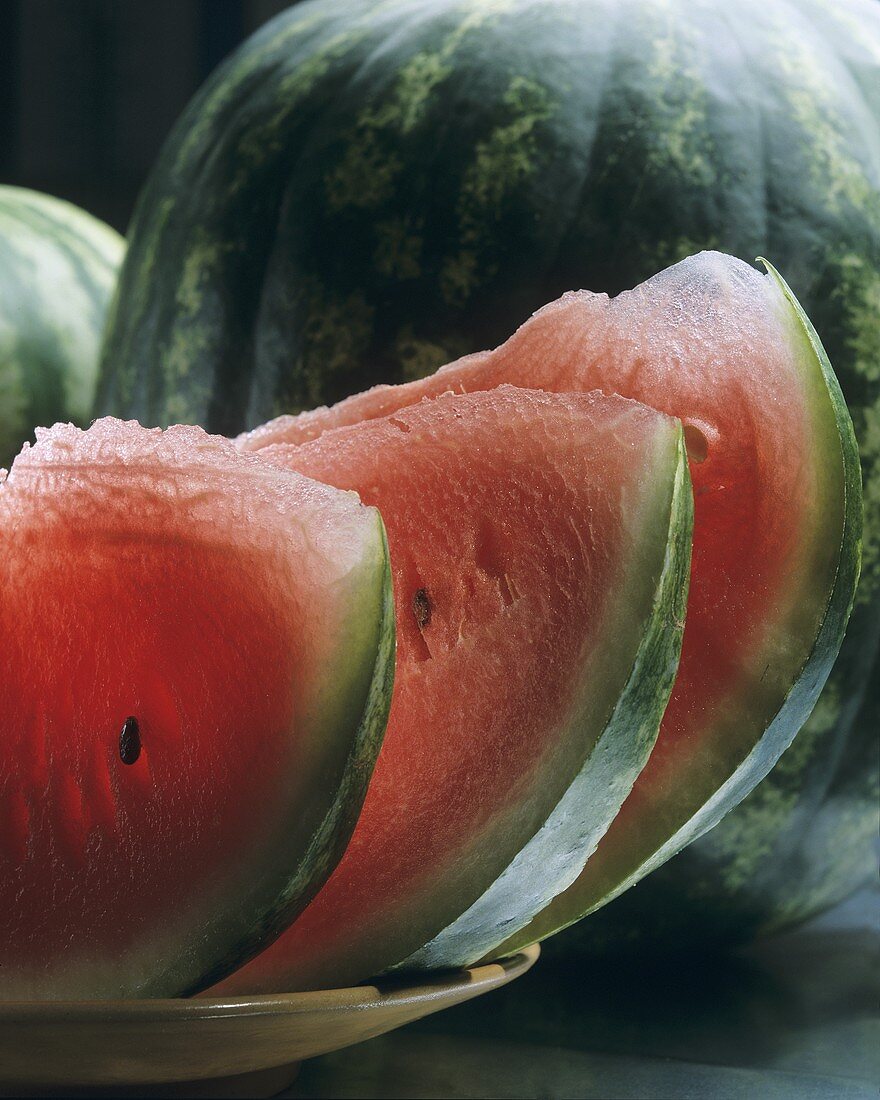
197,662
777,524
540,548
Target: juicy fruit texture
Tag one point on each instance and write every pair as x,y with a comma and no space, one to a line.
730,352
182,755
594,143
58,269
540,551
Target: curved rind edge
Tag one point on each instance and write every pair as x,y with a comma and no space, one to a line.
632,726
335,830
799,702
805,691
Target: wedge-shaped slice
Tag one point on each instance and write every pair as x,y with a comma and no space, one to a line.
540,548
197,664
776,528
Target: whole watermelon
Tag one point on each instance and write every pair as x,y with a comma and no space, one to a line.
366,190
58,268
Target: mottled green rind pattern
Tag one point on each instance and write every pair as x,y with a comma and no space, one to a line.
368,190
360,702
621,751
58,268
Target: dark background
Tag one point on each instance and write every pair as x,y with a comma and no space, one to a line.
90,88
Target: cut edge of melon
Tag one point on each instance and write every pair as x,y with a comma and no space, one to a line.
799,701
367,703
544,866
275,888
248,905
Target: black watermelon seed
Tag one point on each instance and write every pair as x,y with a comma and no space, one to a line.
130,741
422,607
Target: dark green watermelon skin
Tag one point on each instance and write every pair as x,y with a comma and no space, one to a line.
367,190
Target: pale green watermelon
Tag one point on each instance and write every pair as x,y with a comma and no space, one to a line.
58,269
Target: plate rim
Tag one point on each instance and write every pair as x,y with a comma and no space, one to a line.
406,988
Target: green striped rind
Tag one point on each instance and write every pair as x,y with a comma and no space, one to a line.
359,697
608,774
832,828
799,701
801,841
58,268
335,117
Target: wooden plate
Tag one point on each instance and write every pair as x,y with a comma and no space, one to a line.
199,1047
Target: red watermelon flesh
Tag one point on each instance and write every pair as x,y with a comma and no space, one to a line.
173,781
728,351
540,547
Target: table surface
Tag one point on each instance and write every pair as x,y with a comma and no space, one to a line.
793,1018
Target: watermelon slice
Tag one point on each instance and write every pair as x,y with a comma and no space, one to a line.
197,660
776,528
540,548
